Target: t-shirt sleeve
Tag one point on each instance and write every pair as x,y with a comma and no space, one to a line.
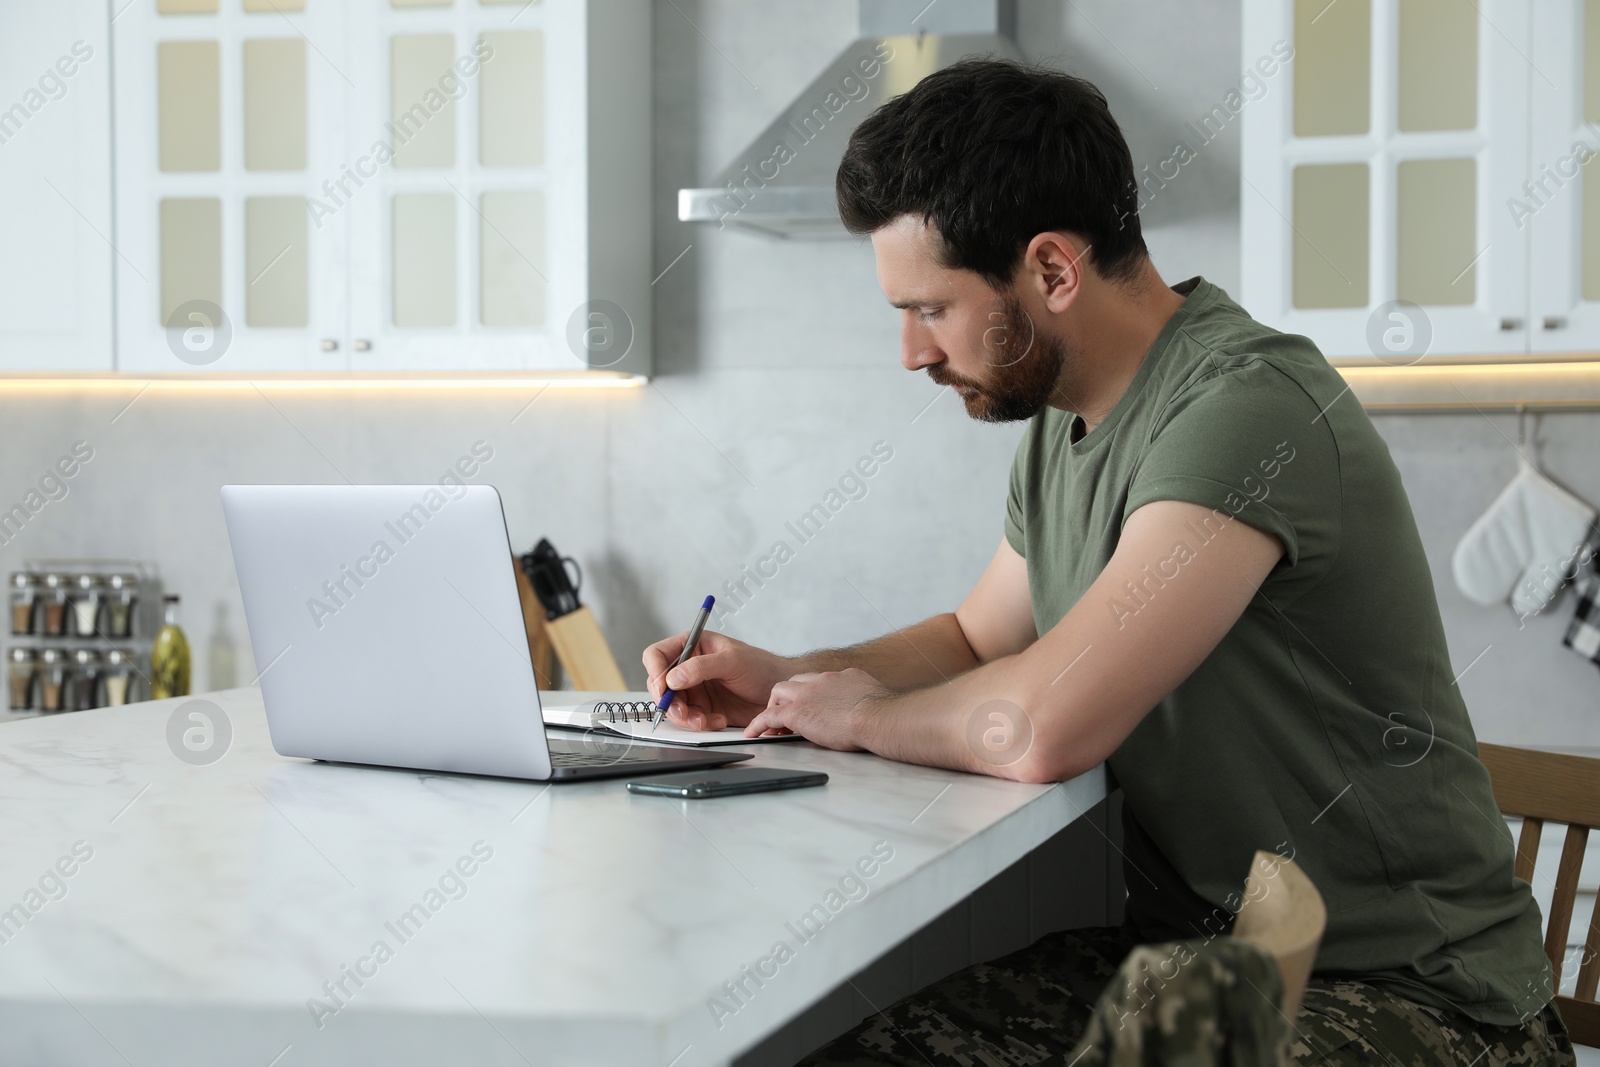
1248,443
1016,532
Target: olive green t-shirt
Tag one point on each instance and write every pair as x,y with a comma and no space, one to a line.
1326,724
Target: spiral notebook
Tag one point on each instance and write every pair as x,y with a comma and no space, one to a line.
629,714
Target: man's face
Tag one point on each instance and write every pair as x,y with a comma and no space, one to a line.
980,342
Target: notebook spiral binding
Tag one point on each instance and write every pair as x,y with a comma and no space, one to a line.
625,710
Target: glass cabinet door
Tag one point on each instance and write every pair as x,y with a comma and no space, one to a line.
382,185
1558,203
229,118
1375,168
460,210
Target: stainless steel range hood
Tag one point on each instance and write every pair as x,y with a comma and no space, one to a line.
782,185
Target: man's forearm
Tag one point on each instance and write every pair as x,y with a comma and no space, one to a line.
932,651
991,720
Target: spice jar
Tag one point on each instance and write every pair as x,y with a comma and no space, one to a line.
24,599
55,604
83,684
86,604
118,677
122,594
22,669
52,678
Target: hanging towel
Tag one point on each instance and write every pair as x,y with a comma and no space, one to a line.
1583,633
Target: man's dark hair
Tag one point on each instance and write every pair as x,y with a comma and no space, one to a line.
992,153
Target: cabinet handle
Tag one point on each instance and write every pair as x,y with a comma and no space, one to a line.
1554,322
1511,324
330,345
362,345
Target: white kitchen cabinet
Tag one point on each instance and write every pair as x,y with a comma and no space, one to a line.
383,185
514,206
1559,206
55,183
227,120
1380,169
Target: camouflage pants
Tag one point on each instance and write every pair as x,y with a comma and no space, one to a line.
1084,998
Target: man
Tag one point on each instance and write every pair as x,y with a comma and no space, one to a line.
1210,579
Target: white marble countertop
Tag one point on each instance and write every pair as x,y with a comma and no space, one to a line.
206,905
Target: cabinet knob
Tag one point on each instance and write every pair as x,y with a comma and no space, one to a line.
362,345
1511,324
1554,322
330,345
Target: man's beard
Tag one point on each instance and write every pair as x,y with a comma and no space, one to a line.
1025,370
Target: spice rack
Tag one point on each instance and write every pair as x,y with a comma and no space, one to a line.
79,634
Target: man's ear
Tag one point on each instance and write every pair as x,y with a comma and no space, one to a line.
1054,267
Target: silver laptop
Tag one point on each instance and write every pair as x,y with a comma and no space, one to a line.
387,628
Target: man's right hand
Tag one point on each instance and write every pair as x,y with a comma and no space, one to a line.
725,683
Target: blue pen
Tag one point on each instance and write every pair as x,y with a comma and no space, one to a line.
688,650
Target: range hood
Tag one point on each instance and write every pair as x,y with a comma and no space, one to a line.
782,184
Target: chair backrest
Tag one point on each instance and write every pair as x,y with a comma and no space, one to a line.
1540,786
1283,913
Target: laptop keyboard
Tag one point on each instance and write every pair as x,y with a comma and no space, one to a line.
597,759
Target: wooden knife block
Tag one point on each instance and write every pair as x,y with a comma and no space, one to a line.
575,638
540,651
584,653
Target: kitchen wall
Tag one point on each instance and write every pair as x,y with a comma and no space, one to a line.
776,373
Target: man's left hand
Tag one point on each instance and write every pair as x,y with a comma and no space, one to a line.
828,709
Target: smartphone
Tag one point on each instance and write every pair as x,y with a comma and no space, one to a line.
725,782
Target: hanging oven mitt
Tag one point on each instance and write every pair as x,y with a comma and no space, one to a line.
1524,545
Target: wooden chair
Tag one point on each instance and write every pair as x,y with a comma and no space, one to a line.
1283,913
1541,786
1282,916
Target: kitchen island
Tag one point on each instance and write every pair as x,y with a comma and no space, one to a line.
177,896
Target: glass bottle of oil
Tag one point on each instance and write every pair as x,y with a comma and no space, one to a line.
169,659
